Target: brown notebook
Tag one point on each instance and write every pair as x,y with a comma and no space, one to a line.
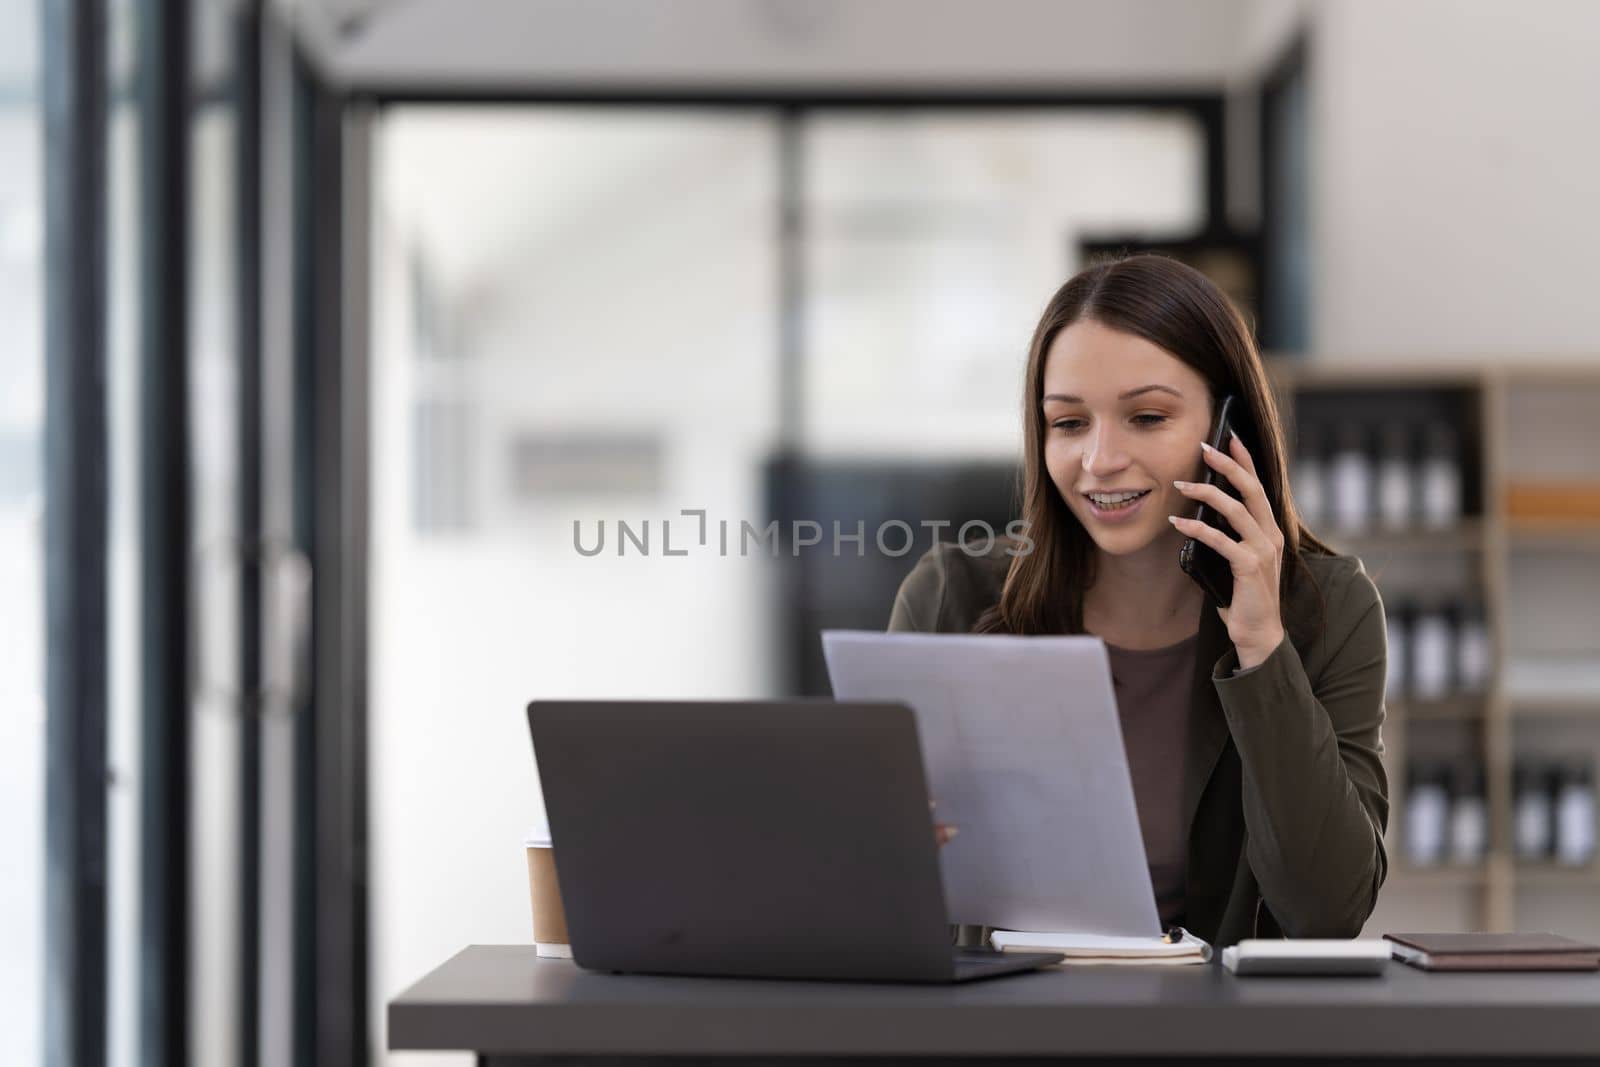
1495,952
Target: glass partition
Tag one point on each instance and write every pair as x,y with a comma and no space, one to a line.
22,724
932,241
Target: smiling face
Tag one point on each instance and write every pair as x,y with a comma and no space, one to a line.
1122,416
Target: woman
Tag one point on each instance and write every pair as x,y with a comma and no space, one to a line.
1253,731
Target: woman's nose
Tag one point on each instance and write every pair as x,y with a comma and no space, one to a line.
1102,453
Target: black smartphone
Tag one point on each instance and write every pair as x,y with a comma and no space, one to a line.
1200,561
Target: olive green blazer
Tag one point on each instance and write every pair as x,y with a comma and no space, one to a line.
1285,790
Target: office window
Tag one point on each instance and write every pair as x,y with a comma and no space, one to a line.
22,699
933,239
123,542
217,704
574,321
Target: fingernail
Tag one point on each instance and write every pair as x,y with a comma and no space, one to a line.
950,832
1181,485
1173,519
1204,447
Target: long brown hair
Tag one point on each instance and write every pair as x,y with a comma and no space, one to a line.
1184,313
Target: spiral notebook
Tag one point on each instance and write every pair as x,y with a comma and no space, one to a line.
1103,948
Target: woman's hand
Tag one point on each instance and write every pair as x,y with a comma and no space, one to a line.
942,832
1253,621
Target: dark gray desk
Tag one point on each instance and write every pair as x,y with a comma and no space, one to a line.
509,1006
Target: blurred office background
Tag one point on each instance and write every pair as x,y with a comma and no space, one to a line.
324,324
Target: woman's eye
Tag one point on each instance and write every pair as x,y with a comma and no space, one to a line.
1071,425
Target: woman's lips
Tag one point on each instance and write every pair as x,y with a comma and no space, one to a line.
1121,514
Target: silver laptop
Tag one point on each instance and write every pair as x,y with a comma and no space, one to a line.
782,839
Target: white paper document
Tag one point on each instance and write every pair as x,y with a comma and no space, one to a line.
1024,756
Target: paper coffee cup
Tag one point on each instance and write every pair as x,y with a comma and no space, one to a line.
549,920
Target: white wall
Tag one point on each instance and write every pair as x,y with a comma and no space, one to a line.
1458,146
1457,153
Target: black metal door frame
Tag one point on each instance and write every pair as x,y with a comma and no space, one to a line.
75,532
330,528
309,878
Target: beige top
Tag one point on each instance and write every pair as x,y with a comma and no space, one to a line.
1152,688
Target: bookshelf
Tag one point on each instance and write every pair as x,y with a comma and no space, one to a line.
1528,550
